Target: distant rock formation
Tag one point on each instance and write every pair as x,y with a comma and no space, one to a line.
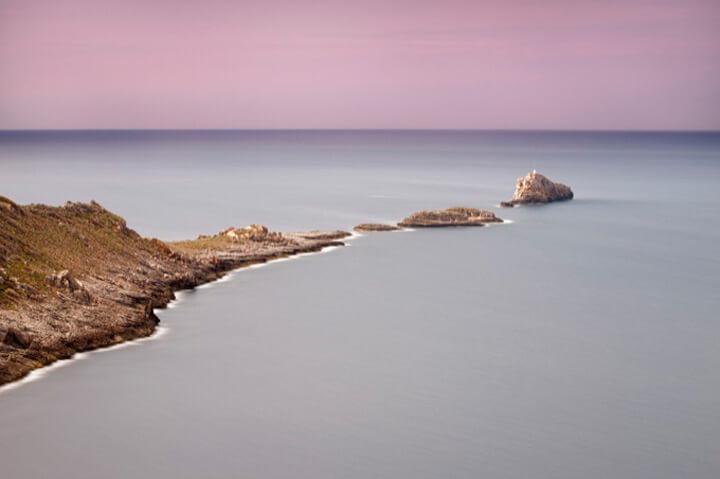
535,188
365,227
456,216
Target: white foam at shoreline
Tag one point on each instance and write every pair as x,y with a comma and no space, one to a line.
37,374
353,235
160,331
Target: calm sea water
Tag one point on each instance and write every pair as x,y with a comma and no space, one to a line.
581,340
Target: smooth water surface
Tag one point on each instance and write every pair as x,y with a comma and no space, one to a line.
580,340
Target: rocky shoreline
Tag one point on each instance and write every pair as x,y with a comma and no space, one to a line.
75,278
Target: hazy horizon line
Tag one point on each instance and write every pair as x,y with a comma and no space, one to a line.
539,130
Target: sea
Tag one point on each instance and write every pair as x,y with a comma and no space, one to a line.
576,340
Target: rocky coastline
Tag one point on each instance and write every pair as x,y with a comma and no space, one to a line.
76,278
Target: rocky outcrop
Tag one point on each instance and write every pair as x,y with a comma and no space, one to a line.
456,216
8,205
16,338
64,279
110,278
252,233
367,227
535,188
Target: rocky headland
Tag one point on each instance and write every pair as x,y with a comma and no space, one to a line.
368,227
535,188
75,277
456,216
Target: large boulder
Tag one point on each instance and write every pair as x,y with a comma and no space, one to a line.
456,216
65,279
535,188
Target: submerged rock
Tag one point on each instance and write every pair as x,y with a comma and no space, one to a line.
535,188
364,227
456,216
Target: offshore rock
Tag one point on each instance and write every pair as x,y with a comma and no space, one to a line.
365,227
535,188
456,216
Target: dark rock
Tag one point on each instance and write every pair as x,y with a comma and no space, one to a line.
16,338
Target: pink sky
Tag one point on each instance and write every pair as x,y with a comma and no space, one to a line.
547,64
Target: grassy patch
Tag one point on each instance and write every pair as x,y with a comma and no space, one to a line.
37,240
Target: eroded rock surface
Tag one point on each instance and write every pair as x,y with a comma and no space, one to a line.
535,188
456,216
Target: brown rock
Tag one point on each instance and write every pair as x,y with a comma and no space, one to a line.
162,247
16,338
252,233
456,216
6,204
535,188
65,279
364,227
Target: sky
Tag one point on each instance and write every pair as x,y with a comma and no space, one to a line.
288,64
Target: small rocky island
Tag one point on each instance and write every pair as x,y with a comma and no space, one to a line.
535,188
75,277
456,216
367,227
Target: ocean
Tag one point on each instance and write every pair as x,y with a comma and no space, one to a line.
579,339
